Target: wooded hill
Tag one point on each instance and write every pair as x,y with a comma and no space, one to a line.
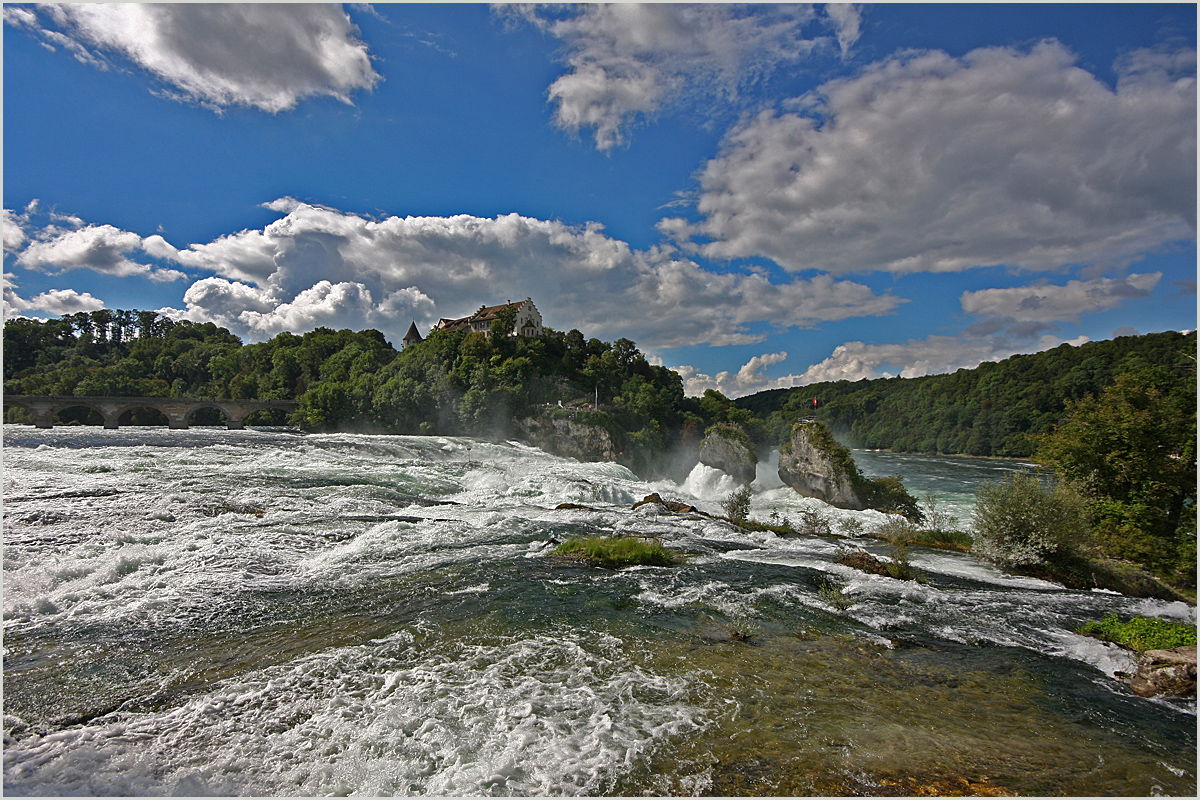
453,383
987,411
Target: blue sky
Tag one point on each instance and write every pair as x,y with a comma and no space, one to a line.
759,196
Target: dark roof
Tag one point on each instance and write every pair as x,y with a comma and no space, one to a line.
484,314
413,334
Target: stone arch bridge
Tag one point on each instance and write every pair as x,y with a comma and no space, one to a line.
178,410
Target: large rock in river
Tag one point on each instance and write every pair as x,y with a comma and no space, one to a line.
1166,673
815,465
730,450
568,438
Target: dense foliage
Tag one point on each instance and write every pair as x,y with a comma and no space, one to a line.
1131,451
451,383
987,411
1142,633
1020,522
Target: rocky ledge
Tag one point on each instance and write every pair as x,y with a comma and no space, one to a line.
730,450
808,464
568,438
1166,673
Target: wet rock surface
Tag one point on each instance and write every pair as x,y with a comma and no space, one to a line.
1166,673
811,472
722,450
568,439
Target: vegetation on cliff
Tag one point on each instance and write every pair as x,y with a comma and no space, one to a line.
885,494
986,411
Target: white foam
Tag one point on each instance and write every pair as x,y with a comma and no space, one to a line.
541,715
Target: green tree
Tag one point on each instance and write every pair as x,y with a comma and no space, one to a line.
1132,452
1020,522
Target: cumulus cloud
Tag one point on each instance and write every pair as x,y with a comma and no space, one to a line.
1045,302
749,379
101,248
264,56
424,268
628,60
14,231
925,162
53,301
933,355
259,314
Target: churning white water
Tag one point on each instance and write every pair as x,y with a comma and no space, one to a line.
269,613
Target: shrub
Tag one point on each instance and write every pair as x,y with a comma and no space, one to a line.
814,523
618,551
1020,522
900,568
851,526
833,594
1141,633
737,505
888,494
937,531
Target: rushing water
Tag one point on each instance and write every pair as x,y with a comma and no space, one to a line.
268,613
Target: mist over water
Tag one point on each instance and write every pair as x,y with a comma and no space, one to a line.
262,612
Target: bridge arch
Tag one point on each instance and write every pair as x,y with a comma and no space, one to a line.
177,410
142,416
208,406
91,415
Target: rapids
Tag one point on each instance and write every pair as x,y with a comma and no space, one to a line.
263,612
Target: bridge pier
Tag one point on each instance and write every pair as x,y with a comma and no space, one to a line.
43,416
177,415
111,413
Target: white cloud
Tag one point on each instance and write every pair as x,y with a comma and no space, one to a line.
14,231
53,301
933,355
102,248
926,162
430,267
630,59
64,301
266,56
257,314
847,18
749,379
1044,302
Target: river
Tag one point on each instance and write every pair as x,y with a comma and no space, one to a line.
263,612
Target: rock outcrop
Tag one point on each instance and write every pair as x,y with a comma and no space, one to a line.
568,438
1166,673
730,450
816,466
673,506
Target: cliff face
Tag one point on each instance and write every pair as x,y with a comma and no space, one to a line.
723,450
568,438
814,470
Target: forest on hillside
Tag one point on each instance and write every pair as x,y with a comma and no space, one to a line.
992,410
453,383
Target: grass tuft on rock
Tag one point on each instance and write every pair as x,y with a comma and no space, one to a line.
614,552
1141,633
